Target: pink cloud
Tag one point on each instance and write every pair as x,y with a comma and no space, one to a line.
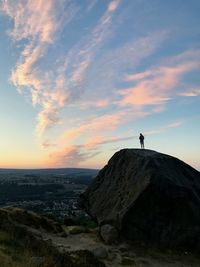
71,156
76,155
36,20
94,103
46,118
39,22
98,141
155,86
138,76
95,125
113,5
93,132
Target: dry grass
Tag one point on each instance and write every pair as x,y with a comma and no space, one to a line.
20,247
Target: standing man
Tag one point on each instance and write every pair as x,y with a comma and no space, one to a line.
141,137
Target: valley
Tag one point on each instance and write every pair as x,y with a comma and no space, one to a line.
52,192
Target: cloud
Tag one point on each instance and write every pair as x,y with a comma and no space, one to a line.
69,82
102,103
94,131
113,5
108,70
91,5
46,118
93,83
29,21
100,141
175,124
46,144
71,156
82,54
191,92
76,155
96,142
95,125
38,23
92,74
155,86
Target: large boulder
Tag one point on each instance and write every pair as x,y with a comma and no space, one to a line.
148,196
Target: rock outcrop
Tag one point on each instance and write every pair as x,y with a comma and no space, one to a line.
148,196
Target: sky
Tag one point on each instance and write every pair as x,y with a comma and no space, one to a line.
80,79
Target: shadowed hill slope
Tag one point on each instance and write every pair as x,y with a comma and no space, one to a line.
22,243
148,196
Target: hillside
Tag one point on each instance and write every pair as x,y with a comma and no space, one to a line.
30,240
23,242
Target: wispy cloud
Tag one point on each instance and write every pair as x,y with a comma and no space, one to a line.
98,132
73,156
92,76
30,22
191,92
99,83
113,5
82,54
108,70
155,86
47,117
91,4
95,125
96,142
52,90
39,24
77,155
47,144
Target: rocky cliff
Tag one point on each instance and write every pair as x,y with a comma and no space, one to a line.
148,196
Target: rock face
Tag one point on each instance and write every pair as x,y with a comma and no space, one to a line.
148,196
109,234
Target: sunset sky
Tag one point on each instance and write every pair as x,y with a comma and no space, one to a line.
80,79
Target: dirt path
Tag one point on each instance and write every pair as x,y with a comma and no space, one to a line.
123,254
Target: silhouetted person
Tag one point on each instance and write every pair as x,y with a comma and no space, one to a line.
141,137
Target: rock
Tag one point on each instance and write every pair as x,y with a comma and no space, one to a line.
75,230
100,253
128,261
84,258
109,234
62,234
48,241
148,196
38,260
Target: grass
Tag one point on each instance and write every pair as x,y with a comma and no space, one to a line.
19,247
31,219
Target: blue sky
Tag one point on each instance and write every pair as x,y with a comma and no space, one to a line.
80,80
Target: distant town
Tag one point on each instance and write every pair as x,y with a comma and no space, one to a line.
52,192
